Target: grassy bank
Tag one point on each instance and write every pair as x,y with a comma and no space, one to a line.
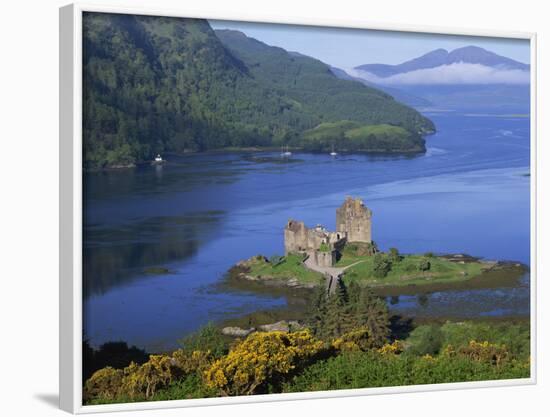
287,270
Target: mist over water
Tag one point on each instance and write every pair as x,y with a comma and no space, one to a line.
200,214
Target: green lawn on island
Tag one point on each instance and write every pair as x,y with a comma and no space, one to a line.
407,272
290,267
404,272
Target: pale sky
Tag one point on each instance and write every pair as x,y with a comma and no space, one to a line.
347,48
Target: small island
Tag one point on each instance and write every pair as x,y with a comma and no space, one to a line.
316,256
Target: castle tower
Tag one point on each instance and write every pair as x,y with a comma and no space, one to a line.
296,237
354,220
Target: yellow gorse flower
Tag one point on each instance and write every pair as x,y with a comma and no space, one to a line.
259,357
485,352
136,381
355,340
391,348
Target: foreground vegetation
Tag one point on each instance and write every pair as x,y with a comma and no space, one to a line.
158,84
349,342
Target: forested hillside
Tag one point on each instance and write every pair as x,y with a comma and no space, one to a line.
157,84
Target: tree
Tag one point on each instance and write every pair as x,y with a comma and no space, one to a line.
317,311
337,317
424,265
349,309
372,312
394,255
381,266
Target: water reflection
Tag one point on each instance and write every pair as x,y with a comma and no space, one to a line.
117,255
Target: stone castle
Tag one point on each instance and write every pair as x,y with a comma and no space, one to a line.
323,247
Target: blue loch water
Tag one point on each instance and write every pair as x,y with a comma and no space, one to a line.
199,214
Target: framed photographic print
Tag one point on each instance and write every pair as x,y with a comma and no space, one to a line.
269,210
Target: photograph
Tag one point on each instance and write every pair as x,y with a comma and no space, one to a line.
273,208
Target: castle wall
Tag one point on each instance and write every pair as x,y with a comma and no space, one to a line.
299,238
324,259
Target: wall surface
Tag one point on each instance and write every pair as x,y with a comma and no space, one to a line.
29,220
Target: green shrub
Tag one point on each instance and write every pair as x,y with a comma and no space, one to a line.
394,256
426,340
424,265
192,386
381,266
208,338
372,369
324,247
427,370
514,336
352,370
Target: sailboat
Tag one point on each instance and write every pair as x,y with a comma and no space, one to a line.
285,151
332,153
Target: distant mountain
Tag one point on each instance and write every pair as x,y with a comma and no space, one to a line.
469,78
159,84
439,57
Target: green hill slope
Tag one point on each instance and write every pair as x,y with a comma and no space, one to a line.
157,84
312,87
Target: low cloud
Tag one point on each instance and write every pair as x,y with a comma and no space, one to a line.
457,73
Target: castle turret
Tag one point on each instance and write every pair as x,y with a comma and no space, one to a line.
354,220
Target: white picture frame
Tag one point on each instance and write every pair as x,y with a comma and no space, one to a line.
71,205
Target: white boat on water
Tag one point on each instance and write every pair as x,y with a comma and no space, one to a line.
333,153
158,160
